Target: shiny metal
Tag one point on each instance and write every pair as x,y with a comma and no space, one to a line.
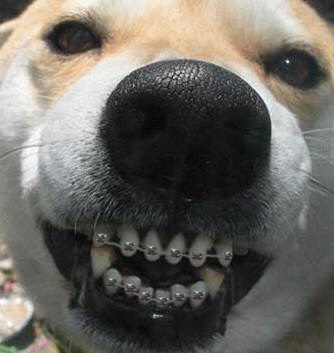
163,301
179,297
175,253
129,246
101,238
130,288
228,256
112,282
145,296
151,250
197,256
198,295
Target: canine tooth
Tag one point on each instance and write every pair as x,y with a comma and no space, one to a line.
163,297
102,234
153,246
132,285
175,249
129,240
112,280
213,278
179,294
199,249
145,295
224,252
101,259
198,294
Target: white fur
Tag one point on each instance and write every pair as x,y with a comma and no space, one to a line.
303,249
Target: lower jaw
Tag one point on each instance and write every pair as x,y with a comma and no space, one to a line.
151,327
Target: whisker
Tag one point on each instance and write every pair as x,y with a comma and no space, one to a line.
317,139
18,149
320,156
317,183
308,132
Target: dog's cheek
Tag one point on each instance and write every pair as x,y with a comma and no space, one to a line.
61,75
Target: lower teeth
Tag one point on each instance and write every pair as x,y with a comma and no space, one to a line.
178,295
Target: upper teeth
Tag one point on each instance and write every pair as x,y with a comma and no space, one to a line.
129,239
176,249
199,249
104,257
129,244
153,249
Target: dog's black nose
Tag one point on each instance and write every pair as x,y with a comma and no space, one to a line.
188,128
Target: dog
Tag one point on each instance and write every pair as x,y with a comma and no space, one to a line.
166,180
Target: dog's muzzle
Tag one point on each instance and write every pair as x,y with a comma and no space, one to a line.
185,136
187,128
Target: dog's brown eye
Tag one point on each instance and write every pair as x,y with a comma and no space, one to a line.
71,38
297,68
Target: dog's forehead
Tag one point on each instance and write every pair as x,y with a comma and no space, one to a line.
129,8
275,22
122,8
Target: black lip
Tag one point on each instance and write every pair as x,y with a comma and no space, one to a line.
150,326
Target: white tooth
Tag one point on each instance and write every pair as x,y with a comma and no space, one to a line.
102,234
175,249
224,252
198,294
199,249
129,240
132,285
163,297
213,278
179,294
101,259
112,280
145,295
153,246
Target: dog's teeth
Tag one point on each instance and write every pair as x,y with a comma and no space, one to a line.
175,249
162,297
198,294
179,294
145,295
129,240
112,280
199,249
224,252
101,259
132,285
213,279
102,235
152,246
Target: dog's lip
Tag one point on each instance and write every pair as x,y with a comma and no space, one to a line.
71,252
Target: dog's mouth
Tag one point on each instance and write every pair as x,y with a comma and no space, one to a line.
153,292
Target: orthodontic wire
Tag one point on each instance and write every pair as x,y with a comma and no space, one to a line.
153,251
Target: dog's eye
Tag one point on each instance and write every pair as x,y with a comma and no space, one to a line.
71,38
296,67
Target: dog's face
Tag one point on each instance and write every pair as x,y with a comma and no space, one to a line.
157,189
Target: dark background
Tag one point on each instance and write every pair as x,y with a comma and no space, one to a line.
11,8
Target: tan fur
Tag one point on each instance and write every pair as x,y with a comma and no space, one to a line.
183,31
174,28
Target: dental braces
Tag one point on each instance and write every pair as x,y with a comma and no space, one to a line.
150,250
146,296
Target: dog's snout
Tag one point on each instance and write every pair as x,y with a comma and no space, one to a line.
188,128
